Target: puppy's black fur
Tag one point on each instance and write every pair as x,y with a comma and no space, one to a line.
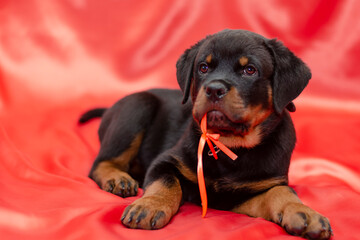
245,84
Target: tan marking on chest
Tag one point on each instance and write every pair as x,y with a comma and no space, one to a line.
248,141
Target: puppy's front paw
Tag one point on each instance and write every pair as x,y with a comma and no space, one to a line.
147,213
120,184
300,220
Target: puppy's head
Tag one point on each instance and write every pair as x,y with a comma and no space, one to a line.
239,79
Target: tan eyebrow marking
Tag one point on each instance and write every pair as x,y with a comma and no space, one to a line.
208,59
243,61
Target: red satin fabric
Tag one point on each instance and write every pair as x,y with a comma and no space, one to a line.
60,58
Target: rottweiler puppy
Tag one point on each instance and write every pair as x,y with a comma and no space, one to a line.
245,83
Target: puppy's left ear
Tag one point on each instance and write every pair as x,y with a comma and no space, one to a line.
291,75
184,69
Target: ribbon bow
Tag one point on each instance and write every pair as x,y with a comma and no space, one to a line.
209,139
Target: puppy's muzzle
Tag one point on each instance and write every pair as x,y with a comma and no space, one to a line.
215,90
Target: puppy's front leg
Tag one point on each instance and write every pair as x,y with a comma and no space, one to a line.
281,205
155,208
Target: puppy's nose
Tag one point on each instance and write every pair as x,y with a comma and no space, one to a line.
215,90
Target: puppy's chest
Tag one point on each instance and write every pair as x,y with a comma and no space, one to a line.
224,167
229,182
222,193
224,174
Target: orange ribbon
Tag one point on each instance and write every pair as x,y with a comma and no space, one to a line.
208,138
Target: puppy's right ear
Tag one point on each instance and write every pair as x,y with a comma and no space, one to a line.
184,69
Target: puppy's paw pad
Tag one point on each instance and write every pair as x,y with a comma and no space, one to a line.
300,220
146,213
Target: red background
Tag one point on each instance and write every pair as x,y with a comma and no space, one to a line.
60,58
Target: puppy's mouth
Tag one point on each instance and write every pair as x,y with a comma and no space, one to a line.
218,122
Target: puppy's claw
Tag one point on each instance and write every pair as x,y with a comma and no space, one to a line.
153,223
110,186
146,213
136,189
141,216
132,214
157,216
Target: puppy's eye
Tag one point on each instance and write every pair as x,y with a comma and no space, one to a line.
249,70
203,68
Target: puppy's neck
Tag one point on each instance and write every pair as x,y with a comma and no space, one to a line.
255,136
